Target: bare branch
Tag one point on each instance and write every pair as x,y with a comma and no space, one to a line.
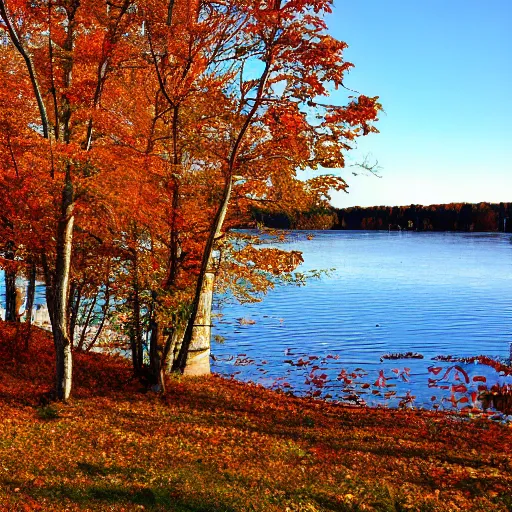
368,167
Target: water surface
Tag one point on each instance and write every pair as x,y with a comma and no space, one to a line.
430,293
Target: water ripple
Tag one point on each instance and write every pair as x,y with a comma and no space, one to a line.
431,293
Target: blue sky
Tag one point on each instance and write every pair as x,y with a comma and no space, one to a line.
443,71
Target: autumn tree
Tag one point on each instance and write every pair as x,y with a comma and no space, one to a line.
264,132
243,133
151,129
14,134
66,52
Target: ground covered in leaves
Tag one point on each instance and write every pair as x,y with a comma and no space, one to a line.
218,445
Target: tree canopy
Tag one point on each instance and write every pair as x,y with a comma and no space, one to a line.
135,135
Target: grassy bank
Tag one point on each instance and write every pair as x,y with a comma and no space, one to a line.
218,445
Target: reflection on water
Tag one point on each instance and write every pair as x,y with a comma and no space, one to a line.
434,294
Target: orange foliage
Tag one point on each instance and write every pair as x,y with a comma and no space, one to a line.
142,137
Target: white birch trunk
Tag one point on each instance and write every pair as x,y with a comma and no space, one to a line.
198,357
64,358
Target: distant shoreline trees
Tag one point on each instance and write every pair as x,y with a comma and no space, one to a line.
468,217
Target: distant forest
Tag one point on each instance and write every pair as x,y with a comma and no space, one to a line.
438,217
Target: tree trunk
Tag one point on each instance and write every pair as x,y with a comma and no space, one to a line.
174,346
136,331
203,300
49,288
10,285
198,357
31,292
20,297
64,239
13,34
206,278
157,346
86,323
60,328
75,298
64,369
104,309
10,296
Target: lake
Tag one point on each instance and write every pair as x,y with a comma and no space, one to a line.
433,294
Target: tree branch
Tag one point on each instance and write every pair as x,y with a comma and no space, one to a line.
30,67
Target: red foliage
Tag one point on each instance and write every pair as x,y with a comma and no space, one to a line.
26,374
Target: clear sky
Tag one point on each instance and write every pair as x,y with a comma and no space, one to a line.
443,71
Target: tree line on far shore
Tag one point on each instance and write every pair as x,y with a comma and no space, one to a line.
467,217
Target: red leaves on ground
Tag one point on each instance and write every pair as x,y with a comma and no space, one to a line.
27,373
232,446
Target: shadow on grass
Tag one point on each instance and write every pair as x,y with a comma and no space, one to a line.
93,470
99,496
